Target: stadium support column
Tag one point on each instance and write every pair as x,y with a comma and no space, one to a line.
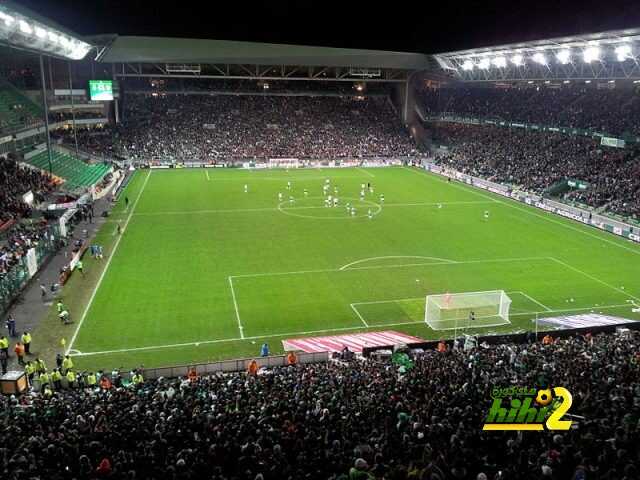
73,111
116,101
46,115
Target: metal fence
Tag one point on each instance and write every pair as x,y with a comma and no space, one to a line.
237,365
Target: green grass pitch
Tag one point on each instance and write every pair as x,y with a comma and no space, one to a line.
204,270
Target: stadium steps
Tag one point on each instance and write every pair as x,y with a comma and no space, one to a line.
16,110
75,172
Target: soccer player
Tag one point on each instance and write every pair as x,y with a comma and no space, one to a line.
291,200
327,202
362,186
288,185
486,214
306,193
439,205
353,212
335,190
361,194
335,201
369,214
279,196
381,198
246,188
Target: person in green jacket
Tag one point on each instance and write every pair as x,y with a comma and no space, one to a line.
30,371
56,378
26,341
71,378
67,364
44,379
91,379
40,365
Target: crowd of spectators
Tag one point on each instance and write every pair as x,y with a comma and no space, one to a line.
536,161
185,128
15,181
611,111
341,420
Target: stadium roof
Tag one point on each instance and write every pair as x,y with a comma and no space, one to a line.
605,55
132,49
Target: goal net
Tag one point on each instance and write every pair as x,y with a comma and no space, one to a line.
449,311
284,163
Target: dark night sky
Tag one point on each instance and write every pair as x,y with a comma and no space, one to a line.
390,25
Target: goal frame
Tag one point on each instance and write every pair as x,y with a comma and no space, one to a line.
503,308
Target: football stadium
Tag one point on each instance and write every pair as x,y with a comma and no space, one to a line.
225,259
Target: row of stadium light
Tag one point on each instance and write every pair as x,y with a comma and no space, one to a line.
589,54
24,32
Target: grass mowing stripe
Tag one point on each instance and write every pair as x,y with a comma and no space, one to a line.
106,267
594,278
513,204
275,209
329,330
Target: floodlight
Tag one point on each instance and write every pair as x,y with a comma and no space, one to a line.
484,64
564,56
623,52
25,27
467,65
7,19
19,29
566,81
517,59
591,53
587,81
539,58
499,62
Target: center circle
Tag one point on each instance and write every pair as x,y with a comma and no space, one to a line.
294,210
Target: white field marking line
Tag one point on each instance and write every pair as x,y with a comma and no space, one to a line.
514,204
235,304
456,184
340,329
373,267
365,172
275,209
222,340
533,300
358,314
393,300
594,278
206,172
106,267
344,267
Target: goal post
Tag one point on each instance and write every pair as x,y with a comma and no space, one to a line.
451,311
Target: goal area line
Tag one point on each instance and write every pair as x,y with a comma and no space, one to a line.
329,330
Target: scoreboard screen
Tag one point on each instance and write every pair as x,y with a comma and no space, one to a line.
101,90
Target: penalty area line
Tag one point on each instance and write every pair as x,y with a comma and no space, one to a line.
329,330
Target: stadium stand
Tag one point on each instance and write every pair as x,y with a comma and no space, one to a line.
340,420
14,182
16,110
536,161
76,172
612,111
219,128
